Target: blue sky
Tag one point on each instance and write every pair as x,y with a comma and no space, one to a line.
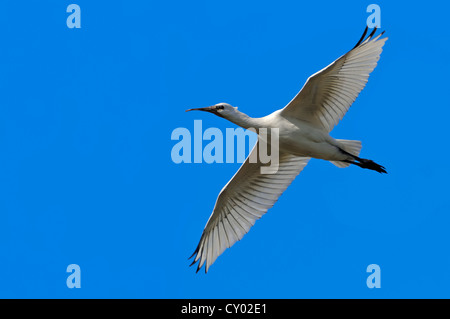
86,117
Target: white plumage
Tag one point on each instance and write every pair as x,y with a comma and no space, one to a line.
304,126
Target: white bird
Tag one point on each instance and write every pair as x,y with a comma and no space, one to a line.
304,126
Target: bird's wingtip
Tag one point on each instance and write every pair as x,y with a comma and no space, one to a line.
363,38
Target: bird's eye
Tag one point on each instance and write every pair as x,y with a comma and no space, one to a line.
219,107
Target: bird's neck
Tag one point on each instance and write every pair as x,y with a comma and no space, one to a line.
245,121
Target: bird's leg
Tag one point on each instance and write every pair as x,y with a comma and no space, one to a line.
365,163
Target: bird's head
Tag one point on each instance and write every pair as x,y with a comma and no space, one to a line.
224,110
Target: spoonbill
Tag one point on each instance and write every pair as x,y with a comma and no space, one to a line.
304,125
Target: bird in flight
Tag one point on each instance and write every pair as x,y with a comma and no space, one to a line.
304,126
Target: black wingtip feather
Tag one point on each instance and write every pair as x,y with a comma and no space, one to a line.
195,252
370,36
362,37
372,33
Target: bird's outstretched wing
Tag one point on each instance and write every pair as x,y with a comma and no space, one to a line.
328,94
246,197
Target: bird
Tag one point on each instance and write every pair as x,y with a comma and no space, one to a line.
304,125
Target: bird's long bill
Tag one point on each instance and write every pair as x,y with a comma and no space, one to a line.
206,109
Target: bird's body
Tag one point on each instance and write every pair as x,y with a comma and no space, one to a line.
296,136
303,128
300,138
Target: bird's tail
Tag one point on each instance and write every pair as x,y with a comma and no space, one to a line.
351,147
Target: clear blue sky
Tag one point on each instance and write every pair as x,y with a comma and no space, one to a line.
86,175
